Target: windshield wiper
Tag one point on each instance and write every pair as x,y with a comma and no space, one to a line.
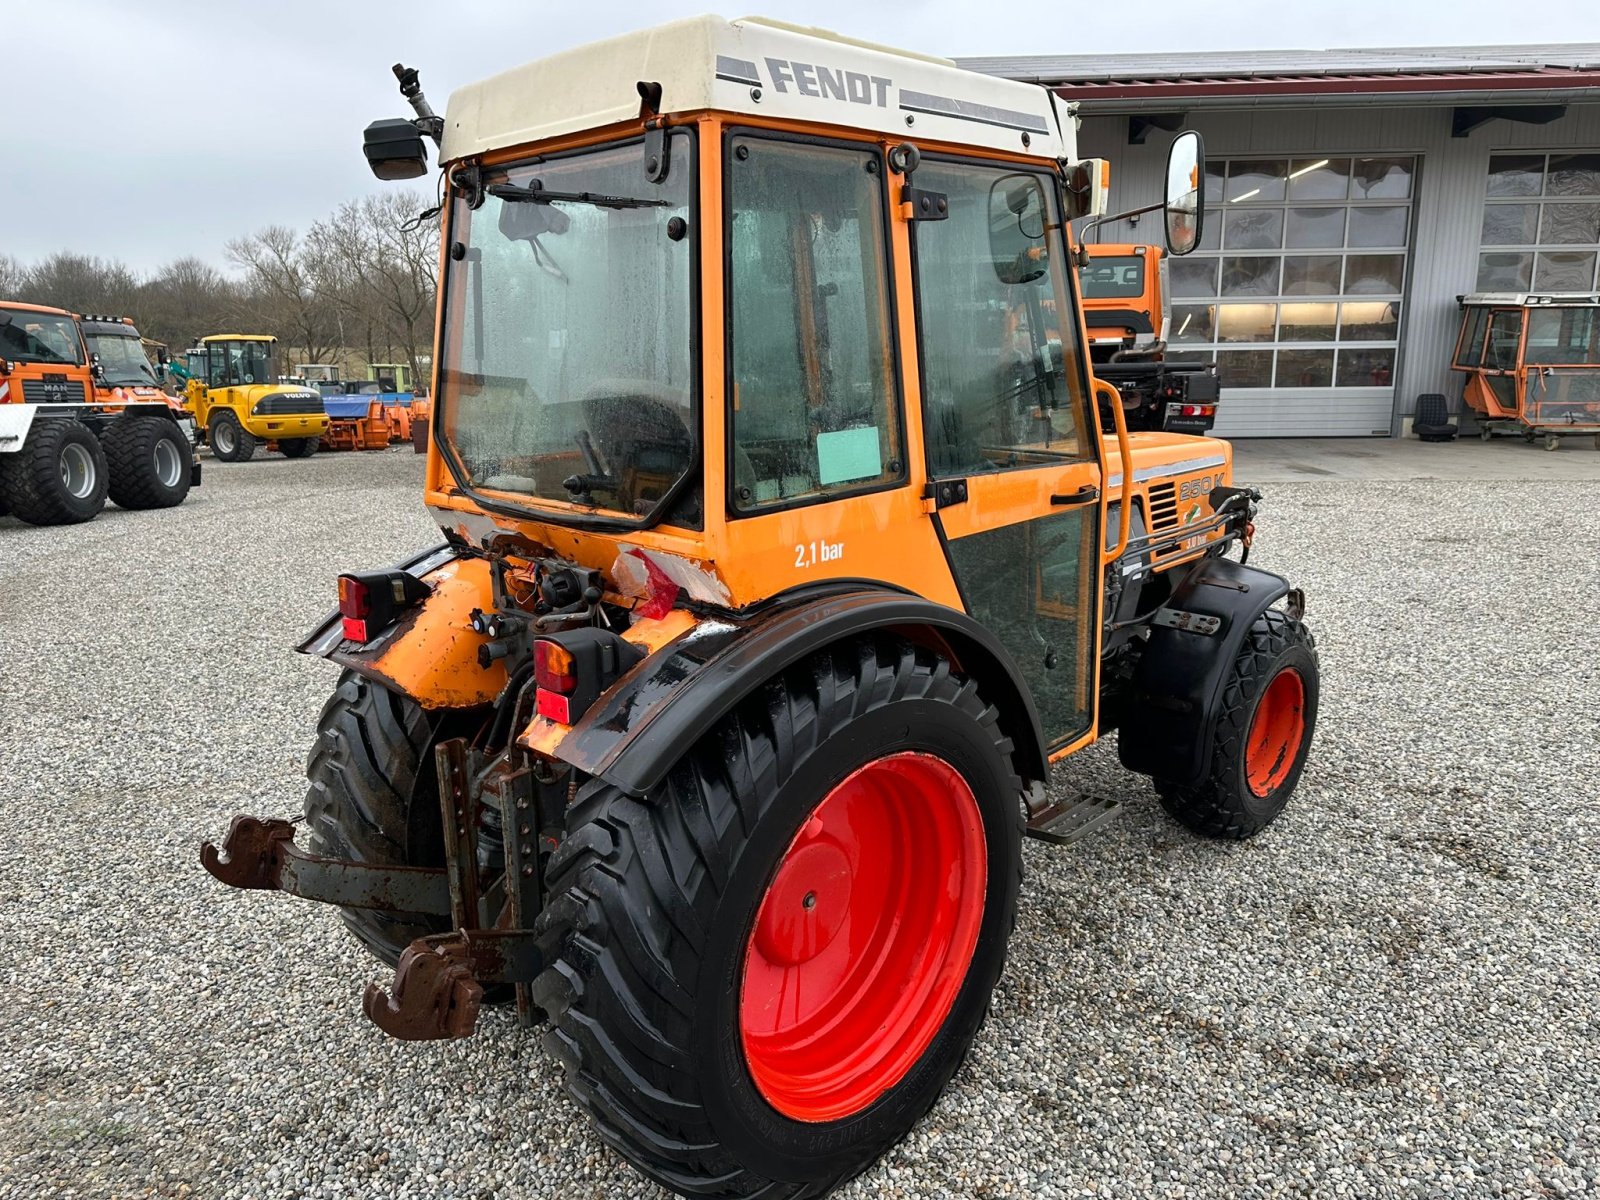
538,195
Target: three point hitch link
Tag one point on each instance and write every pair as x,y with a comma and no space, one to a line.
438,983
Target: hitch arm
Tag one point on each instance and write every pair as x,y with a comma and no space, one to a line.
260,854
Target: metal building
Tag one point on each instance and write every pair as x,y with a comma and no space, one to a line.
1352,195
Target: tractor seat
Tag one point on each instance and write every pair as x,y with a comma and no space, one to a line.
1432,422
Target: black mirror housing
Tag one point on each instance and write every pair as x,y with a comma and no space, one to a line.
394,149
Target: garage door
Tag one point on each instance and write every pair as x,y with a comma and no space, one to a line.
1297,291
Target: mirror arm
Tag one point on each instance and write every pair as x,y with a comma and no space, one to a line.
1082,239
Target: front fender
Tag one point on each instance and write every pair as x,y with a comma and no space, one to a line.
647,721
431,653
1177,686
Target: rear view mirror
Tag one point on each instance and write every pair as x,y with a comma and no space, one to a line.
1185,198
1017,228
394,149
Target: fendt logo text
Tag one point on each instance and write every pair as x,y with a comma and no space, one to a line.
813,79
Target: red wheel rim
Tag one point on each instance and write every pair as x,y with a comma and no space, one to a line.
863,938
1276,732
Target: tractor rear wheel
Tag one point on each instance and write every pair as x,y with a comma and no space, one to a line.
1262,736
58,477
230,441
299,447
762,974
149,461
374,796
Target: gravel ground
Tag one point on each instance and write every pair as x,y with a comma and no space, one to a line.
1395,991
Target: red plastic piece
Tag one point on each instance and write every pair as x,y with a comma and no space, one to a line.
1276,732
355,629
864,937
554,706
661,592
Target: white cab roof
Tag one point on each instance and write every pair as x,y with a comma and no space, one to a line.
1519,299
755,66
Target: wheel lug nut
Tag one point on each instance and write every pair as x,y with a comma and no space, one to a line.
810,901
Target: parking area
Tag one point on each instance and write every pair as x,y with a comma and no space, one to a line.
1393,991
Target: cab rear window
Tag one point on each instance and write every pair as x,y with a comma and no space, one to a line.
1119,277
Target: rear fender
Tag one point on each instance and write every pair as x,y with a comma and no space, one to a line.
1172,709
431,653
634,734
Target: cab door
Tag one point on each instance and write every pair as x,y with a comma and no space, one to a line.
1502,355
1013,459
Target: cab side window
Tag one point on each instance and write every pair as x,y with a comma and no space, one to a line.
1505,336
1001,363
814,401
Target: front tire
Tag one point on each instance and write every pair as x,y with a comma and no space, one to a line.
58,477
1263,733
299,447
230,441
149,462
852,832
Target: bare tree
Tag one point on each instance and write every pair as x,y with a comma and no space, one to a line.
82,284
13,277
281,293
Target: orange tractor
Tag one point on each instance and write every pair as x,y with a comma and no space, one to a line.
790,544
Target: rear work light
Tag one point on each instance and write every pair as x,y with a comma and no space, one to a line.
371,601
571,670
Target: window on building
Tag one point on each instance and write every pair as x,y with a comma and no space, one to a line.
1299,280
1541,223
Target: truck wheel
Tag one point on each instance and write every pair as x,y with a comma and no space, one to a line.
149,462
374,797
58,477
1263,733
299,447
230,441
762,974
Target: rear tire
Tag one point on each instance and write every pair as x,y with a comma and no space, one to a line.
669,914
58,477
149,462
229,440
299,447
374,796
1263,733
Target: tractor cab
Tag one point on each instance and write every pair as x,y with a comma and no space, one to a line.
1532,363
235,395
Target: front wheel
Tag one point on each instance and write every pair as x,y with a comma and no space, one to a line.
763,974
230,441
58,477
1267,715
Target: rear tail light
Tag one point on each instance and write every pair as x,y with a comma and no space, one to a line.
1199,410
571,670
371,601
553,667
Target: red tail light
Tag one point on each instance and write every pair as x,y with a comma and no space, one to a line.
1199,410
371,601
553,669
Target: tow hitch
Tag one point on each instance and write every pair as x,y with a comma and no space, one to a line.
439,981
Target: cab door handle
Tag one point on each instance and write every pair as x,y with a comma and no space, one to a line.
1087,494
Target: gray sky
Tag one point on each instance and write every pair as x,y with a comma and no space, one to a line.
146,130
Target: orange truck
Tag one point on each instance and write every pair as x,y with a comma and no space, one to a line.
83,419
1127,309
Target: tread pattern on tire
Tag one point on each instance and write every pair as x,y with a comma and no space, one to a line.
300,447
632,882
1212,807
371,744
30,478
129,443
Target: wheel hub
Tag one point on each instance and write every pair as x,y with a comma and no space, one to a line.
1276,731
863,937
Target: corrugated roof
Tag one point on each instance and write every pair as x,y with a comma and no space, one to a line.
1547,61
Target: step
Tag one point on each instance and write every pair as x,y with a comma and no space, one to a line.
1072,818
